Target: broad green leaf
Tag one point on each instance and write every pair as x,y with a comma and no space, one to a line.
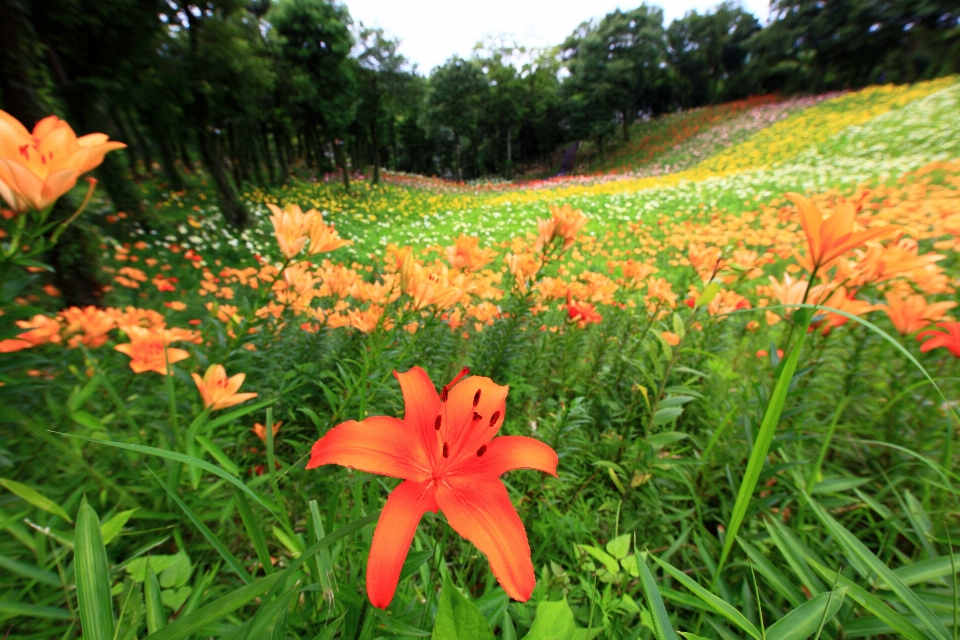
923,571
177,573
25,610
79,396
189,624
619,547
661,619
667,414
804,621
709,293
93,577
665,438
112,527
177,457
555,621
856,549
714,602
33,572
691,636
610,563
35,498
156,616
761,447
137,568
88,420
458,618
328,633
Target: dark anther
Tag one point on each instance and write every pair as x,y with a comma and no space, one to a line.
494,418
477,416
481,450
436,425
443,395
446,450
476,398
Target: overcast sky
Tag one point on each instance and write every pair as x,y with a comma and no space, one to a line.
431,31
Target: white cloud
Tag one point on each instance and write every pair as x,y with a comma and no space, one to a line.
433,30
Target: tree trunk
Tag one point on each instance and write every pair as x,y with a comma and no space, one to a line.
146,150
169,165
233,210
376,152
338,157
509,153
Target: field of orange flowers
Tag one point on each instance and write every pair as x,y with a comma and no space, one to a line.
716,399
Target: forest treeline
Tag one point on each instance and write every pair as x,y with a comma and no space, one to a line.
253,88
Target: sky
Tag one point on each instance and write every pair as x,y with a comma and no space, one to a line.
430,31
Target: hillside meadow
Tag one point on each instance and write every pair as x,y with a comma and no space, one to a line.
704,389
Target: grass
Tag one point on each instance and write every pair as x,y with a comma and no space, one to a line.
711,486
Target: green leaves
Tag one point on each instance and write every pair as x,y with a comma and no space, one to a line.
555,621
93,577
658,612
804,621
458,618
35,498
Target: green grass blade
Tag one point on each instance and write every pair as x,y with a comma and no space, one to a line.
761,447
35,498
661,620
856,549
331,630
188,625
156,618
93,577
176,457
32,572
715,603
774,576
803,621
254,530
22,609
228,557
874,605
218,454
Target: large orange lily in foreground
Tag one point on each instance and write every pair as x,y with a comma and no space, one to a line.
830,238
445,451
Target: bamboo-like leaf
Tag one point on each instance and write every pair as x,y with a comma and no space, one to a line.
761,446
716,603
803,621
188,625
661,620
217,453
774,576
254,530
112,527
214,541
35,498
880,609
177,457
32,610
156,617
328,633
856,549
32,572
93,577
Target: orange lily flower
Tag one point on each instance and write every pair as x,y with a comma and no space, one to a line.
261,430
670,338
829,239
218,391
565,222
913,312
445,451
149,350
290,226
37,168
948,338
582,313
41,330
323,237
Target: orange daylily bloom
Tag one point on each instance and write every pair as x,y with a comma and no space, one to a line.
913,312
90,324
582,313
42,329
670,338
290,226
261,430
323,237
218,391
149,350
949,338
828,239
466,253
37,168
565,223
445,451
843,300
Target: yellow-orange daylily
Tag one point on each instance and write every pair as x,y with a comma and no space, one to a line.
218,391
149,349
913,313
323,237
290,227
37,168
830,238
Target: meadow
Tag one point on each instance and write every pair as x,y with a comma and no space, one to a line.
722,364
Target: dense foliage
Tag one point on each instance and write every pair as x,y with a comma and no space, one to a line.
732,463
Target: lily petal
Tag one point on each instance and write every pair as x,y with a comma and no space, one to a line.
392,537
811,219
507,453
380,444
479,509
421,406
468,426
